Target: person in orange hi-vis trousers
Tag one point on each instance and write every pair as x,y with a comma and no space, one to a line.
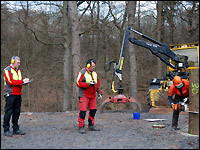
88,83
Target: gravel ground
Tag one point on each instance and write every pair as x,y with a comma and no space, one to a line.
118,131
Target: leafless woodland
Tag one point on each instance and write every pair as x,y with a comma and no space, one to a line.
54,39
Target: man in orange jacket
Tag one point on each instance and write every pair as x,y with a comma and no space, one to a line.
12,92
180,88
88,83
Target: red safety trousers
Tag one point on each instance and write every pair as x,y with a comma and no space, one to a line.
85,102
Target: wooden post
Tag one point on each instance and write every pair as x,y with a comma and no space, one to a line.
194,102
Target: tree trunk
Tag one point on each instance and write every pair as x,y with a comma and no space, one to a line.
159,34
171,22
190,22
73,14
97,37
66,69
131,6
170,10
138,16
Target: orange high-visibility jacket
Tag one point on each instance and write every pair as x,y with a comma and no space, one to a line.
183,92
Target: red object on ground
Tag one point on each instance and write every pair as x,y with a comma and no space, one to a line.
120,98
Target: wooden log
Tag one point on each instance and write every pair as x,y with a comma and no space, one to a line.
194,102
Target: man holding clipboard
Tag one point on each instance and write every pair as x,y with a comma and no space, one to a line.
13,82
27,82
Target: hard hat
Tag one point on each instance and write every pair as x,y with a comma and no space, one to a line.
178,82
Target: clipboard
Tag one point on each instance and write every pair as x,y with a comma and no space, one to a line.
27,82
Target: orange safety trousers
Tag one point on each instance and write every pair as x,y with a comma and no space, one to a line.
85,102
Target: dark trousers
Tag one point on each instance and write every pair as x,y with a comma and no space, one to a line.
176,113
12,108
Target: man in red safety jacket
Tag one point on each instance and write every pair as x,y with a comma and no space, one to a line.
88,83
12,92
180,88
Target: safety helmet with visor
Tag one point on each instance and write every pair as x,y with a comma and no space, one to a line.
178,83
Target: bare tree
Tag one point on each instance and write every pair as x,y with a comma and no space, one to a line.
159,32
169,8
67,54
120,24
97,39
138,16
131,8
73,15
43,39
189,17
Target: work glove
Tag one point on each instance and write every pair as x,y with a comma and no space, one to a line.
99,97
186,100
92,83
172,104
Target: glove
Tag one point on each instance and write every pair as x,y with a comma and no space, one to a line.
92,83
172,104
186,100
99,97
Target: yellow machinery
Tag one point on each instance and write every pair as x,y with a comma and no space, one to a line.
179,59
157,95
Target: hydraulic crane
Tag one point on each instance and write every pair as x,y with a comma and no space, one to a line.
159,50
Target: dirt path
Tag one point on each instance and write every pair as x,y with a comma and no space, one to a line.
118,130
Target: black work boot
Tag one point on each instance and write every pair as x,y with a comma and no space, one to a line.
175,128
8,133
93,128
82,130
18,132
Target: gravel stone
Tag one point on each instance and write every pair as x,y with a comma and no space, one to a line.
118,130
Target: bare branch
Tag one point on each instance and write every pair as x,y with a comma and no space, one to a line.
124,18
40,40
79,3
85,10
88,29
29,28
115,20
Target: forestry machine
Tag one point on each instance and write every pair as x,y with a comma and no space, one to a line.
178,65
157,94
